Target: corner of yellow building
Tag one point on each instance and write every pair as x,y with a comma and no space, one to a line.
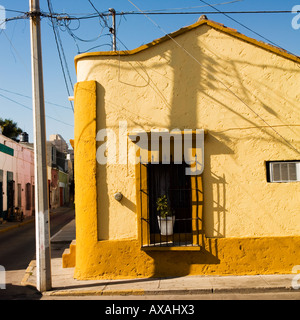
248,226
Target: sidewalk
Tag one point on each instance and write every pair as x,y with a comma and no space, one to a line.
64,284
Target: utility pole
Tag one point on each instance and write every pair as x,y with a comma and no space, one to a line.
113,29
42,226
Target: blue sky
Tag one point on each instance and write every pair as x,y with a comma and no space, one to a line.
133,31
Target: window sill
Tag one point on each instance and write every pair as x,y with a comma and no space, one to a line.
169,248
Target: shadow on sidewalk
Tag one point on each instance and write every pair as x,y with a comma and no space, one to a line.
104,283
15,292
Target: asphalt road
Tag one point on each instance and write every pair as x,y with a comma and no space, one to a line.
17,249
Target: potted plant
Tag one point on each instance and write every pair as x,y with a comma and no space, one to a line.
165,218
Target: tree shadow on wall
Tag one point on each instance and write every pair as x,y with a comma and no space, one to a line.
185,113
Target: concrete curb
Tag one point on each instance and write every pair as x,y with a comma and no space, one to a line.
105,289
141,292
154,292
28,272
74,293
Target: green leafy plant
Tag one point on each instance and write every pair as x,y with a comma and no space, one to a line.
10,128
163,207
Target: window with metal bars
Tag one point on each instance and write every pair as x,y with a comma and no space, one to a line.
184,198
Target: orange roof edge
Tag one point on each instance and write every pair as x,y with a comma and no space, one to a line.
213,24
72,143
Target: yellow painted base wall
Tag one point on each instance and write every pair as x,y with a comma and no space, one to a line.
125,259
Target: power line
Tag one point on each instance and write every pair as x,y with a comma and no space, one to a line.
241,24
12,10
64,25
161,10
207,12
194,7
102,16
61,54
16,51
99,13
124,13
26,107
69,17
29,97
25,16
95,47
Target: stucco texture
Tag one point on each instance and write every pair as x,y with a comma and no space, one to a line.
246,97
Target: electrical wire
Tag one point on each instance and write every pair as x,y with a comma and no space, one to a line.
241,24
26,107
68,18
203,12
16,51
194,7
217,79
61,54
160,10
12,10
124,13
101,15
25,16
63,22
28,97
99,46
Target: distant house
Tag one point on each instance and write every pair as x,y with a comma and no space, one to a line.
58,171
17,174
240,212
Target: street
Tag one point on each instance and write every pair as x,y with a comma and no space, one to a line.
17,249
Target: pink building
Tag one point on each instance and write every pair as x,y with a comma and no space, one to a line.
16,177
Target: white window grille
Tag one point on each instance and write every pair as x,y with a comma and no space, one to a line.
284,171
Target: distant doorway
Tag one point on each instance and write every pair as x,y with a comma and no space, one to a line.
61,196
10,190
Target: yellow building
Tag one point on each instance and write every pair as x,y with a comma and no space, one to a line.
240,212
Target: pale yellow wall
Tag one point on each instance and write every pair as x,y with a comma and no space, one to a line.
164,87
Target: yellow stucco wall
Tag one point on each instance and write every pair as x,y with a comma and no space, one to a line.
164,87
